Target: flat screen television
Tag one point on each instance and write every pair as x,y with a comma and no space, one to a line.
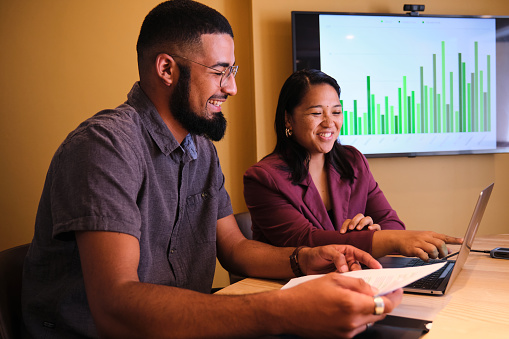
413,84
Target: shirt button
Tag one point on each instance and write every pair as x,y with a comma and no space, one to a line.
204,195
172,251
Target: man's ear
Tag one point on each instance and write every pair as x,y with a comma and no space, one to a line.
166,68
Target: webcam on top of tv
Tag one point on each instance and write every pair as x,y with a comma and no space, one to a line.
413,9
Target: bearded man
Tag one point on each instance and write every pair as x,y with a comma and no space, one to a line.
134,212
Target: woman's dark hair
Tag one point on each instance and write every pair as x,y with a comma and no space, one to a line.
293,154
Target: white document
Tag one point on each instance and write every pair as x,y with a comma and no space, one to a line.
385,280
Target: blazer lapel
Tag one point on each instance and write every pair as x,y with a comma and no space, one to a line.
313,202
340,196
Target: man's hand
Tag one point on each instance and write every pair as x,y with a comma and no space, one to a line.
358,223
422,244
330,258
333,306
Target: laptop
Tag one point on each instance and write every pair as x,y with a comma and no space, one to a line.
440,281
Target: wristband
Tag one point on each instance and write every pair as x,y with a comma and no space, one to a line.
294,262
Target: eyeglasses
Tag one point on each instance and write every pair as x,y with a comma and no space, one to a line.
225,75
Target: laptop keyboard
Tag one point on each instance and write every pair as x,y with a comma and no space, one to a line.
431,281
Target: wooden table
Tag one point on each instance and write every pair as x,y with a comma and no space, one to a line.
477,305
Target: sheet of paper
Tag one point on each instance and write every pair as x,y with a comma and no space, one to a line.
385,280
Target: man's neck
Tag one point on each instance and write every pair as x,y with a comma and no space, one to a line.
179,132
161,104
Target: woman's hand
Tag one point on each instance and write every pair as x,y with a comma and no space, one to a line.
358,223
422,244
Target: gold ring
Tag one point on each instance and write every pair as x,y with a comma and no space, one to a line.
379,305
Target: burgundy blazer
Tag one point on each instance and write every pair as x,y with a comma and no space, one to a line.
285,214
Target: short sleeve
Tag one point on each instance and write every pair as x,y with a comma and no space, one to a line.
97,178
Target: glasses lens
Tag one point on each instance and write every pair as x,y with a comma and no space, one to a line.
232,70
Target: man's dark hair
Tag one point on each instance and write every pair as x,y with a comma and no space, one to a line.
175,25
292,153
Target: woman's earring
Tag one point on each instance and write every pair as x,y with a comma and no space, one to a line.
288,132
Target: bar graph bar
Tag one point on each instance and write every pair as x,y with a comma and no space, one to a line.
431,107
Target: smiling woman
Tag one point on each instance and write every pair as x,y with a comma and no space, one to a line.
311,190
316,122
315,175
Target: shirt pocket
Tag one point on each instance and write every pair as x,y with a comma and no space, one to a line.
201,215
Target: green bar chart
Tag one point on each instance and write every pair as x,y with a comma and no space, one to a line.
413,84
430,108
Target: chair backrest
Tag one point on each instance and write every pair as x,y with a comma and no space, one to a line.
11,270
244,222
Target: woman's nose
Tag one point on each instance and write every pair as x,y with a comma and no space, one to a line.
327,120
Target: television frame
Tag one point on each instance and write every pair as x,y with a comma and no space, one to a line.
306,54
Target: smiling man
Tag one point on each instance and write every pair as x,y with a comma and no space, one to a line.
134,212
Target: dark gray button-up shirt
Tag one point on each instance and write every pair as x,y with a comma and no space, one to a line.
123,171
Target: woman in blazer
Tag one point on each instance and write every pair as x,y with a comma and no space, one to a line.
311,190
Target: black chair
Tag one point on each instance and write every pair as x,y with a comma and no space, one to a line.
11,270
244,222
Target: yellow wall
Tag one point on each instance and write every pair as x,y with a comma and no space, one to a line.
62,61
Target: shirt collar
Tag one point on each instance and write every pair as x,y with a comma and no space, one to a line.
189,147
156,126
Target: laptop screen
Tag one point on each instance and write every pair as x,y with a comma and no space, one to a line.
482,201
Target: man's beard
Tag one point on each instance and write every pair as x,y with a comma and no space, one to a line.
213,128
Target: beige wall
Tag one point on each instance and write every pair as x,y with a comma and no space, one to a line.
62,61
